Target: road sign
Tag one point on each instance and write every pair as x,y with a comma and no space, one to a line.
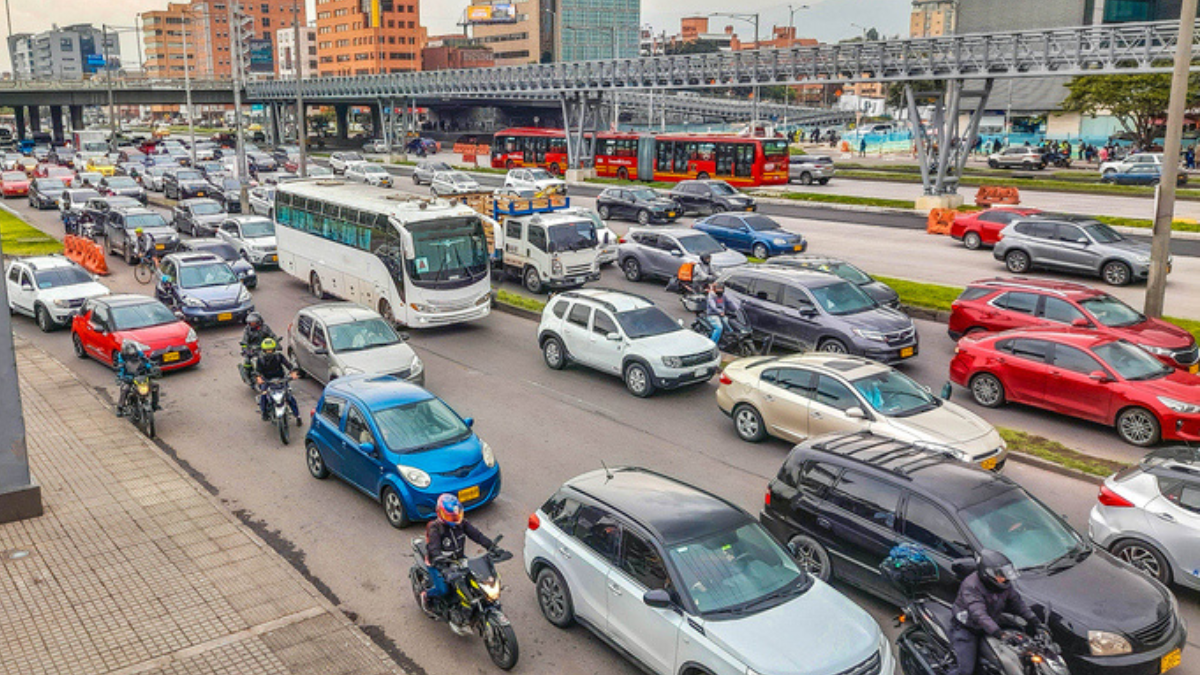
258,107
96,60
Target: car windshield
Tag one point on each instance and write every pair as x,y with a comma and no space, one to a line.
461,178
132,317
540,174
1103,234
436,166
735,571
145,221
722,189
206,274
1111,312
699,244
206,208
1018,526
253,229
83,195
318,171
372,168
572,236
1130,362
12,176
420,426
895,394
359,335
122,182
61,276
188,175
842,298
50,184
761,223
645,194
646,322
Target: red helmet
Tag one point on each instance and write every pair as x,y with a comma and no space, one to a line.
449,509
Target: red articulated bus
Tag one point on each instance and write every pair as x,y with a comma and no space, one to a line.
742,162
528,147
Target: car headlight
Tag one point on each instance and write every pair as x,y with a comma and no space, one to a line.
414,476
672,361
193,302
1159,351
779,242
489,457
62,303
869,335
141,346
1104,643
191,336
556,267
243,296
1179,406
416,366
351,371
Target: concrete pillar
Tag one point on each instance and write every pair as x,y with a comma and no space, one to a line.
376,121
341,113
277,123
56,123
19,115
76,113
35,118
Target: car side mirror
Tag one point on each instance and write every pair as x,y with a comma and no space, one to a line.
320,351
615,337
1081,323
808,311
26,286
368,449
677,253
1099,376
469,421
658,598
947,390
963,567
97,326
856,413
404,337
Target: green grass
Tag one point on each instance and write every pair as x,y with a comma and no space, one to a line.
1189,325
519,301
826,198
917,294
1053,451
1146,223
656,184
19,238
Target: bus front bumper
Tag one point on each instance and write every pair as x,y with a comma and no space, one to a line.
429,319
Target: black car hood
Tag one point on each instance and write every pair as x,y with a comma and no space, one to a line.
195,185
1099,593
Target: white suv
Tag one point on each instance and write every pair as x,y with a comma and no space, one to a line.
538,180
624,334
1116,166
49,288
682,581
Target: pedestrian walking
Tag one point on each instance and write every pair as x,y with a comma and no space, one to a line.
862,147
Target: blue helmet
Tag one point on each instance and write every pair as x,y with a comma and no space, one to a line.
449,509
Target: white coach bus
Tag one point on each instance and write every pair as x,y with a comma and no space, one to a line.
418,261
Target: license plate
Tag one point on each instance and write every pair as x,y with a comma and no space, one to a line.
907,352
797,248
578,280
702,372
670,214
200,194
159,247
170,356
468,494
988,464
749,208
226,316
1171,660
1194,368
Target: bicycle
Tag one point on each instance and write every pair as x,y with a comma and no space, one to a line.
146,269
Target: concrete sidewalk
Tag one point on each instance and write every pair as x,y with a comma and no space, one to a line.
135,568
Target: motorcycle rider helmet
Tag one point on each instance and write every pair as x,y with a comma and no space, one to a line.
129,350
706,258
996,570
138,231
449,509
254,320
268,346
718,288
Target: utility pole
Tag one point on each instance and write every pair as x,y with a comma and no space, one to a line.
787,88
235,53
112,114
1164,206
300,56
754,19
187,80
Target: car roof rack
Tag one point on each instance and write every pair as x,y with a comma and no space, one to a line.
897,457
575,293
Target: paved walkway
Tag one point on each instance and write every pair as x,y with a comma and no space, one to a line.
135,568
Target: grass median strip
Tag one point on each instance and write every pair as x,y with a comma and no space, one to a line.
519,301
656,184
1052,451
1036,184
20,238
827,198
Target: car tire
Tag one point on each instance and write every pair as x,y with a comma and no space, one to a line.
554,353
554,598
1116,273
532,281
1017,261
1144,557
1108,174
810,555
1138,426
832,346
748,423
604,211
972,241
993,164
643,217
823,181
632,269
703,175
393,508
623,173
760,251
44,321
315,287
77,344
719,208
316,463
806,178
638,380
987,390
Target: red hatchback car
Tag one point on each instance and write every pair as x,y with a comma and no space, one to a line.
14,184
104,324
1002,304
982,228
1081,373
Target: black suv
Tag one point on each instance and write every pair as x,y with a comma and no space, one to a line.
710,196
184,183
120,231
842,501
637,203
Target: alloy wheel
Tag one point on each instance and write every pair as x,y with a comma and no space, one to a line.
1142,558
1138,426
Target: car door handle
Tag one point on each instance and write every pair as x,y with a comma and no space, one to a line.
824,522
616,590
769,397
817,416
564,552
1166,516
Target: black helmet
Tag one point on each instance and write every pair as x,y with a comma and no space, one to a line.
996,570
706,258
254,320
129,350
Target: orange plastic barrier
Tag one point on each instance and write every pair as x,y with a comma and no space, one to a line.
92,257
990,196
940,221
72,247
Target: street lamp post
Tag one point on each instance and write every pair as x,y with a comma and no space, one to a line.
787,89
301,122
112,114
187,79
754,19
235,60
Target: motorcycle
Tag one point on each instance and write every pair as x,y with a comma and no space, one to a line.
924,646
472,601
278,392
737,339
246,368
139,405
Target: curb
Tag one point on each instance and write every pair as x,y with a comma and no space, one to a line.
520,312
1045,465
938,315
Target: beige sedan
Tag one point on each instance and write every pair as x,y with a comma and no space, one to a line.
805,395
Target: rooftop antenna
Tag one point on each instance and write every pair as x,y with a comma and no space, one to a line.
607,471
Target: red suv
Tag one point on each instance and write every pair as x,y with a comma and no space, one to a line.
982,228
1085,374
1003,304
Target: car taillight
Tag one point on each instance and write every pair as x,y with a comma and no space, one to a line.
621,240
1110,498
724,379
767,498
312,413
534,521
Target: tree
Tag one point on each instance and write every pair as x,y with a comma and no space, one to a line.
1138,102
923,91
694,47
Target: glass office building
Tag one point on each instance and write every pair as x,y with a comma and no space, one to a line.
597,29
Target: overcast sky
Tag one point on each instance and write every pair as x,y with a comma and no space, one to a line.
827,20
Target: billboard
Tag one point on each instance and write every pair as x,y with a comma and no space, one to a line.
497,13
262,58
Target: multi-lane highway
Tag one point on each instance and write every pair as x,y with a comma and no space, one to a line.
545,426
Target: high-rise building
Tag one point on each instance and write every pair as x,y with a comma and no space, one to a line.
208,35
288,53
163,42
932,18
66,53
364,37
521,37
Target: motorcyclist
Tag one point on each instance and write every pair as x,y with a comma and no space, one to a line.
252,338
703,273
131,362
715,311
272,365
445,543
982,597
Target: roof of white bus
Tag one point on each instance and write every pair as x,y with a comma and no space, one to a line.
400,205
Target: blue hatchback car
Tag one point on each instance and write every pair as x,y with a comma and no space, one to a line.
401,445
751,233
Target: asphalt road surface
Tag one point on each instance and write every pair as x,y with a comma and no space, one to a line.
545,427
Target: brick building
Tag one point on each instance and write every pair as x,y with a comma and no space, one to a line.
364,37
453,52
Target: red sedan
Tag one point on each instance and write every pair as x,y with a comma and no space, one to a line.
104,324
982,228
14,184
1003,304
1083,374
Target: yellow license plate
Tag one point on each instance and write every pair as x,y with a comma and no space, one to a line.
1194,368
200,194
224,317
159,247
989,464
670,214
1171,660
468,494
274,258
907,352
749,208
170,356
797,248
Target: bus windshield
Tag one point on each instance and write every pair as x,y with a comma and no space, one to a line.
447,253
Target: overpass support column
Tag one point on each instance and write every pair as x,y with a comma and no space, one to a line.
35,118
76,113
942,164
19,116
376,121
341,112
56,123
